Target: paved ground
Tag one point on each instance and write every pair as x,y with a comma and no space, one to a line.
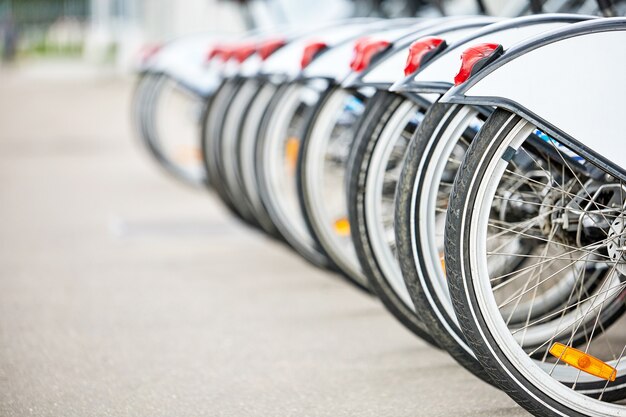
125,294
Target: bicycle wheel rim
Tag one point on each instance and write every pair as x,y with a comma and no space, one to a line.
379,229
163,126
509,352
291,107
315,183
246,158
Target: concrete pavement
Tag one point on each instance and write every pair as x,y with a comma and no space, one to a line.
123,293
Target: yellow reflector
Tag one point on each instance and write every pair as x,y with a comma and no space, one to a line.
342,227
186,154
442,259
583,361
291,152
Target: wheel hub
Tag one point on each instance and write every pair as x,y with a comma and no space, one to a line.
617,244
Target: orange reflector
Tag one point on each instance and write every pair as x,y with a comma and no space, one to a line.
186,154
342,227
583,361
442,259
291,152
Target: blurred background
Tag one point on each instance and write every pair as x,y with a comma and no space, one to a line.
105,32
111,32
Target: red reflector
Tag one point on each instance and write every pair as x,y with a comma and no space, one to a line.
267,48
243,51
220,51
364,50
475,58
310,51
148,51
421,51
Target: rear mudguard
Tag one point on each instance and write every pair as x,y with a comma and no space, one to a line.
388,68
568,82
284,64
437,75
334,63
184,60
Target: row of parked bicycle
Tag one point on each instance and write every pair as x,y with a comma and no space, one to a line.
468,171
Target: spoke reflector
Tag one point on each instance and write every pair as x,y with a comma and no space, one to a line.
442,259
342,227
187,154
583,361
291,152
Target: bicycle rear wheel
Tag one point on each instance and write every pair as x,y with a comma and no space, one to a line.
516,183
322,180
386,128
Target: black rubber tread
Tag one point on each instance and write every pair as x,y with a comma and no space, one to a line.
236,196
404,240
317,257
302,188
259,209
140,101
147,93
495,363
206,142
377,113
263,218
216,133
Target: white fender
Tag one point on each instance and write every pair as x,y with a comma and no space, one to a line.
286,61
390,67
334,64
185,60
569,82
437,76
